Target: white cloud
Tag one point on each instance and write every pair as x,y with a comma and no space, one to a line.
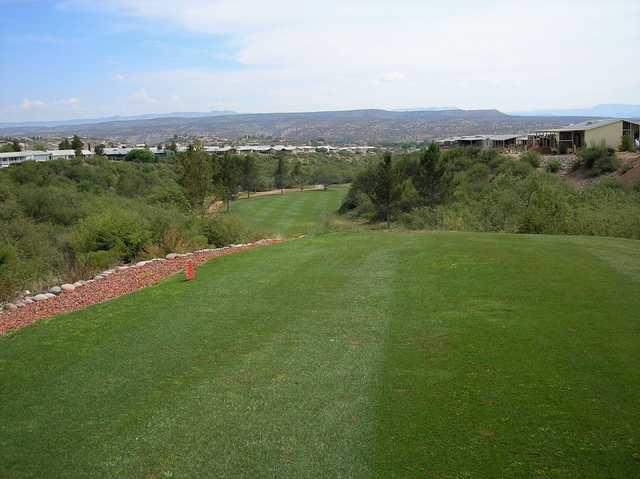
392,77
71,102
28,104
142,97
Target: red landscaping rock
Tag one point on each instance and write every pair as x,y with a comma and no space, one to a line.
120,282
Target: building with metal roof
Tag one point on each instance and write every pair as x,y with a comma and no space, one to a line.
570,138
7,159
482,141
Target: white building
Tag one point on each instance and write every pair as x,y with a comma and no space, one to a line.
7,159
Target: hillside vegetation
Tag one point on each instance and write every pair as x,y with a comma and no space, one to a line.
65,220
482,190
344,355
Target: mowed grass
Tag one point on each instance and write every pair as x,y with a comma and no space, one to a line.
372,354
291,214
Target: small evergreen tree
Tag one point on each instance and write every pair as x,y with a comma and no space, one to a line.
76,143
297,175
387,189
280,174
195,172
430,175
99,150
16,145
227,178
65,144
249,174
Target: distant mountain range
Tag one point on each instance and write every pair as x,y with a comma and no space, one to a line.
610,110
341,127
90,121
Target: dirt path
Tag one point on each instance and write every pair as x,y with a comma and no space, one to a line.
115,283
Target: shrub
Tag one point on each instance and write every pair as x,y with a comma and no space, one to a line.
198,242
553,166
223,230
626,144
87,264
57,205
597,160
141,155
112,230
531,157
626,167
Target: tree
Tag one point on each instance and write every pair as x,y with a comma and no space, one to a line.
387,189
99,149
627,143
249,174
140,155
77,145
297,175
65,144
429,177
16,145
280,174
195,171
173,147
227,178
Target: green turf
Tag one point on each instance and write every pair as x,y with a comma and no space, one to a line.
293,213
444,355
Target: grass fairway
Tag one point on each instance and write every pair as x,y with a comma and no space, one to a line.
293,213
443,355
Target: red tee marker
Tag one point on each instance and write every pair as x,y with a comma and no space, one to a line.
188,271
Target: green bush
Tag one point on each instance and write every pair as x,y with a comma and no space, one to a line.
553,166
598,160
112,230
142,155
531,157
198,242
625,167
92,262
223,230
626,144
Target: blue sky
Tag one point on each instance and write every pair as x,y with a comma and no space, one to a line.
78,58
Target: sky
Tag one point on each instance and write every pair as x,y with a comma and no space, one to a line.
69,59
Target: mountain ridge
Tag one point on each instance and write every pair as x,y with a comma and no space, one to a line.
375,126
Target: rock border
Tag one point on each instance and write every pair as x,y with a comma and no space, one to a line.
107,285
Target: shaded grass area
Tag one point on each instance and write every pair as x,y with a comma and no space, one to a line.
293,213
343,355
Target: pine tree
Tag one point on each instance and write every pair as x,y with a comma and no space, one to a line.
280,174
297,175
249,174
387,188
195,170
430,174
227,178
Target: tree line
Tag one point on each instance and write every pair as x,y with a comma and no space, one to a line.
203,176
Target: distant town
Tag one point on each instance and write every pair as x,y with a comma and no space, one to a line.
565,139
